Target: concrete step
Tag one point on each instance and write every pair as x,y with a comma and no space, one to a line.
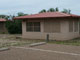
4,49
37,44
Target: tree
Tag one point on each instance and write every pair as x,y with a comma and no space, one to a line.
14,26
42,11
21,14
67,11
4,16
56,9
51,10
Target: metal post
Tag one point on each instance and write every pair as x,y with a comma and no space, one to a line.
47,38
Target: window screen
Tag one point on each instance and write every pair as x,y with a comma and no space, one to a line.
76,26
70,26
33,26
52,27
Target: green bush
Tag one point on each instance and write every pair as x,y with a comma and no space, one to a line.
14,27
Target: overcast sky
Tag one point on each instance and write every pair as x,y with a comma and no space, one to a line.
34,6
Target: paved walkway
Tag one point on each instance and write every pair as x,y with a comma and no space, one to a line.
43,52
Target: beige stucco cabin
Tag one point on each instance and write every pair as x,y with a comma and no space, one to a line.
59,26
2,26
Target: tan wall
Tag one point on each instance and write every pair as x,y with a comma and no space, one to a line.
52,27
2,27
64,33
73,34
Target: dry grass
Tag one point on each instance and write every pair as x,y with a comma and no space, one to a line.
75,42
7,40
14,40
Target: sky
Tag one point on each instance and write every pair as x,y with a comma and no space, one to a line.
12,7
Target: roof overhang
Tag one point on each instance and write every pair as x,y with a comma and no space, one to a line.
2,20
47,15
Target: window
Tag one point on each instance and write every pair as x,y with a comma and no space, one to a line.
33,26
73,25
52,27
76,26
70,26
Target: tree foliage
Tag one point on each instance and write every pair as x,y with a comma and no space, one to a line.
21,14
14,26
44,10
56,9
4,16
53,9
66,11
49,10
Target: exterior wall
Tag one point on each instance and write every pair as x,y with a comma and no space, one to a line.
64,33
73,34
52,26
3,28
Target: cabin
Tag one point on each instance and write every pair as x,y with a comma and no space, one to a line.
59,26
2,26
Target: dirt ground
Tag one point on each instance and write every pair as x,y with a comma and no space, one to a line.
8,40
42,52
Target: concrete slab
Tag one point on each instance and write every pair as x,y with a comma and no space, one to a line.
4,49
37,44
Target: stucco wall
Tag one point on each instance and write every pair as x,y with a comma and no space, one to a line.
71,35
2,27
64,33
52,26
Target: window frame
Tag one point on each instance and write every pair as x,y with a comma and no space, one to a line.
71,26
76,26
52,27
33,27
